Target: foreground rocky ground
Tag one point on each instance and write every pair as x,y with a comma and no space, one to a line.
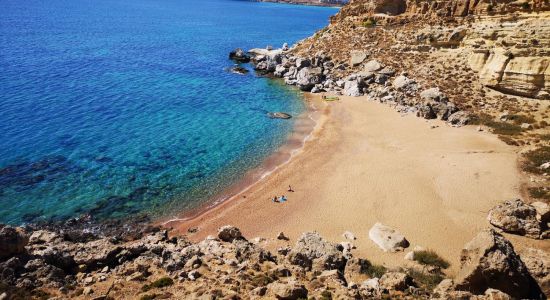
46,264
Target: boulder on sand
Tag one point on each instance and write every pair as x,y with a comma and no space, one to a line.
489,261
517,217
459,118
354,87
387,238
404,83
433,94
229,233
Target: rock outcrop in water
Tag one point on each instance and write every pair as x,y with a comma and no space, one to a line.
239,55
155,265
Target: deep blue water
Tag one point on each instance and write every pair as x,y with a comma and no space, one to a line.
116,107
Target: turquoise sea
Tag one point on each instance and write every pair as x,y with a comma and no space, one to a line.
118,107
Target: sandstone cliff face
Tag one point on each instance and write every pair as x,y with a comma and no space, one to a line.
438,8
512,57
507,42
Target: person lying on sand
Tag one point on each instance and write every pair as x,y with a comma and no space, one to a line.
283,198
275,199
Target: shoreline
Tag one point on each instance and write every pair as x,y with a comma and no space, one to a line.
441,205
306,124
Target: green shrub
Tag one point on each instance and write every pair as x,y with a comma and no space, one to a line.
159,283
148,297
504,128
539,193
525,5
536,158
430,258
369,22
426,280
520,119
508,140
371,269
480,119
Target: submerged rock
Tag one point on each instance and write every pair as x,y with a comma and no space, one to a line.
279,115
238,70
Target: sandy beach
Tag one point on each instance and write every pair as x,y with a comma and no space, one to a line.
365,163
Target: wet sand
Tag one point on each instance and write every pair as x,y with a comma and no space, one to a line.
365,163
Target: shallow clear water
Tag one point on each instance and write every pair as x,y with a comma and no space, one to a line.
115,107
